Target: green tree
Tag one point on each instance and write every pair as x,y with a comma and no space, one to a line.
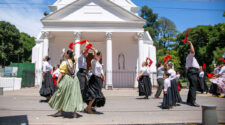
167,33
28,42
151,20
14,46
9,42
166,45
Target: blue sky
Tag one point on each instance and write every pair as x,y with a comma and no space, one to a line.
187,13
26,14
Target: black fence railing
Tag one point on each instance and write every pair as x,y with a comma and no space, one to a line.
127,79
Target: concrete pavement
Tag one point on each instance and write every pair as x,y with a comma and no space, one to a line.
123,106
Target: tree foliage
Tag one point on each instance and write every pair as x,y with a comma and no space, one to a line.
167,33
151,20
14,46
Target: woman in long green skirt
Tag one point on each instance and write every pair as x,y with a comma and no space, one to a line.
68,97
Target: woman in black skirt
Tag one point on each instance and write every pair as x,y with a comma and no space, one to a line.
174,88
47,88
93,95
167,98
144,83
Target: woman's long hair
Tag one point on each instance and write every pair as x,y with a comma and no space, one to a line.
70,53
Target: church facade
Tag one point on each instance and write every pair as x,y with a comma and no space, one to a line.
112,26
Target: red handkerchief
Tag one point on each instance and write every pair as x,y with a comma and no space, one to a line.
210,75
186,36
166,58
150,62
88,47
204,66
221,59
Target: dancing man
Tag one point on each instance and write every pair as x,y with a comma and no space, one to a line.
193,75
82,74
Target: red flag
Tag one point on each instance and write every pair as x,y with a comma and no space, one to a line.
150,61
204,66
71,46
186,36
166,58
210,75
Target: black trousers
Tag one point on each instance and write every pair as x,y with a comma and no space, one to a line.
193,76
81,74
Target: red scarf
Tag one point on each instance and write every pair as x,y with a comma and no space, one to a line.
88,46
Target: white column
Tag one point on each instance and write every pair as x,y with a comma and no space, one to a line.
38,63
140,44
108,60
77,47
46,43
140,56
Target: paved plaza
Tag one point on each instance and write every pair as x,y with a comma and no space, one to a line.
123,106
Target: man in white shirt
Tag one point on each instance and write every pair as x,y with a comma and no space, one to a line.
82,74
193,75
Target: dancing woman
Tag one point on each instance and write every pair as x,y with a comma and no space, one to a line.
144,83
68,96
47,88
93,91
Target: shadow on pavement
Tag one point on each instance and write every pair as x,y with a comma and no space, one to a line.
68,115
14,120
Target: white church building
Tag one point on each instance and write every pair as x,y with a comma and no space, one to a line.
112,26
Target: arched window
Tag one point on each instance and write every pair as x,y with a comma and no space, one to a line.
121,61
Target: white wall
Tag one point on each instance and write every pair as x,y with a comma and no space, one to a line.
124,43
11,83
56,43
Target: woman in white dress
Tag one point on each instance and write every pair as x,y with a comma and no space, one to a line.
144,83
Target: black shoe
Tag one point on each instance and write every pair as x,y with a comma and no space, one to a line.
195,104
58,114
